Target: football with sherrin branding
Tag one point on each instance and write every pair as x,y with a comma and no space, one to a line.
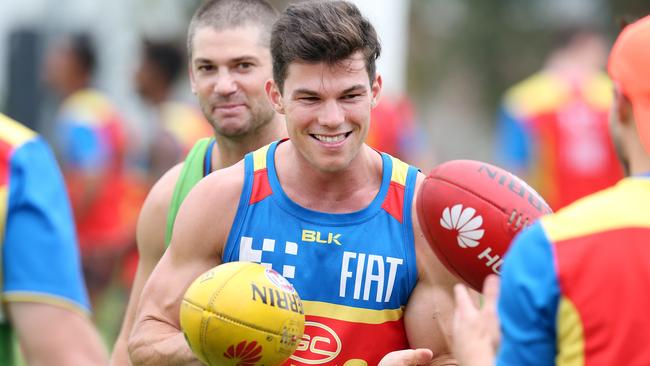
242,313
470,211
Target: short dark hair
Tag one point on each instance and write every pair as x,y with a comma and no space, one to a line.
81,44
322,31
166,57
220,14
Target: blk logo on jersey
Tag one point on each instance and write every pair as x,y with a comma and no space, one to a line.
313,236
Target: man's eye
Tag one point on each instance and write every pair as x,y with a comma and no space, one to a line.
205,67
351,96
244,65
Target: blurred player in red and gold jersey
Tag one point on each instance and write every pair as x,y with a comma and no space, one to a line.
552,128
91,143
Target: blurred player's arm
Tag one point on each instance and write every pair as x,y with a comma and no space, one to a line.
512,146
71,338
200,232
528,301
43,287
150,238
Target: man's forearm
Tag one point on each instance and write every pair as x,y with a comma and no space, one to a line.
159,344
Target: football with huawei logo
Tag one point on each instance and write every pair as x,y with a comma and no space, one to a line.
470,211
242,314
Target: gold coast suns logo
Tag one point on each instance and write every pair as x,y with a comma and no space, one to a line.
319,345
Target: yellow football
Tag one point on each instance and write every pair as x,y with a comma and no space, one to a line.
242,314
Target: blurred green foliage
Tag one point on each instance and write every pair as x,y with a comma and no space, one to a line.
496,42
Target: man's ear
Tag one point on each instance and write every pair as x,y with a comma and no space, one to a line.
274,95
622,108
376,90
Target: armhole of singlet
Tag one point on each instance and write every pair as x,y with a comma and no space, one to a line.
242,208
409,249
191,173
207,158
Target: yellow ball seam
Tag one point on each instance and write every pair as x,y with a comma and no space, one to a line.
233,320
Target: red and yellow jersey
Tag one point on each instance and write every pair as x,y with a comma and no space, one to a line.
354,271
91,141
554,133
573,285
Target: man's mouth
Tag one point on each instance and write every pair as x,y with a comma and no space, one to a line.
331,139
228,107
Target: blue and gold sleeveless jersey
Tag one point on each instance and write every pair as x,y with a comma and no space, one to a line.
39,259
354,271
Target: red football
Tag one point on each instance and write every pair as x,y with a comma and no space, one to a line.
470,211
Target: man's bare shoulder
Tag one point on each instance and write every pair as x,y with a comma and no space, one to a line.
206,215
153,215
162,191
221,186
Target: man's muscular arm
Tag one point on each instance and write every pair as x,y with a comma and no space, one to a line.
150,238
200,232
429,312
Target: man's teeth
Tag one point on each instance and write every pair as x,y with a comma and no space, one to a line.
330,139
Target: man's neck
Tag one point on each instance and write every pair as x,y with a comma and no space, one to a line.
230,151
345,191
640,165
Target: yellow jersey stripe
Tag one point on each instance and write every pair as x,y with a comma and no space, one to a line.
4,202
15,133
90,106
598,91
400,170
41,298
259,158
570,335
352,314
537,94
600,212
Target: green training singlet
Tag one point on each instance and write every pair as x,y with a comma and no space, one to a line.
196,166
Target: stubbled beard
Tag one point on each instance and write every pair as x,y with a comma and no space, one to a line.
259,116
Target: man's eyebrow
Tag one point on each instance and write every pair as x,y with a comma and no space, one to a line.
355,88
309,92
204,60
243,58
201,60
305,92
